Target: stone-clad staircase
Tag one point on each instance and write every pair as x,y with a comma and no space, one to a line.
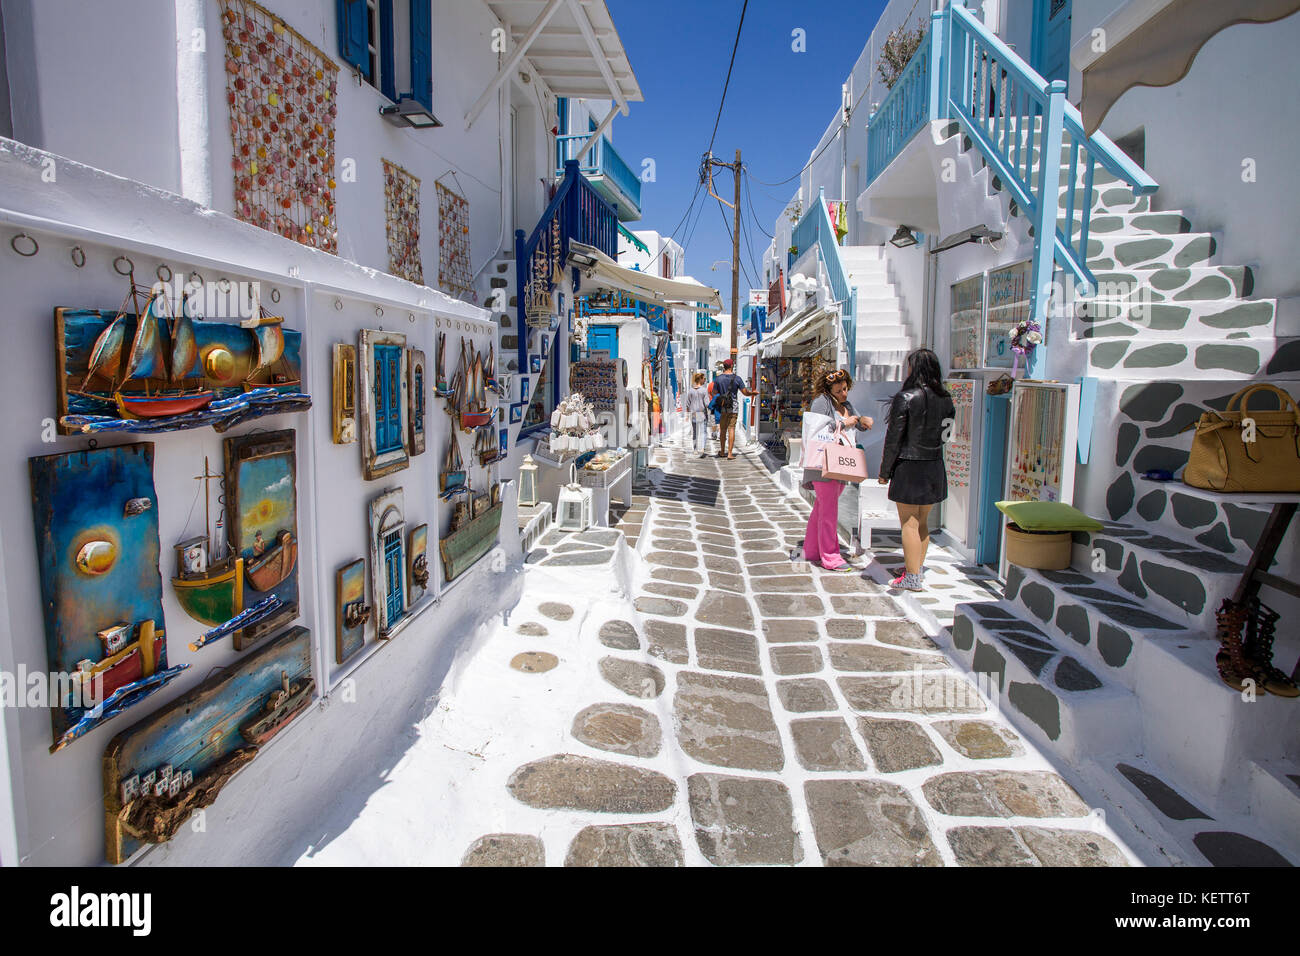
1112,662
882,337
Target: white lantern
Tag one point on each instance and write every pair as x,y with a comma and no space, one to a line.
528,482
574,508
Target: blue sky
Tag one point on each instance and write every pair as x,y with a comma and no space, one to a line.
777,107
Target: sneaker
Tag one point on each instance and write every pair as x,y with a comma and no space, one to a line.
907,582
842,567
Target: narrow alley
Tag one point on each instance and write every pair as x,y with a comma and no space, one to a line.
731,706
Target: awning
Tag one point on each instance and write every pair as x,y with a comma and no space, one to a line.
599,271
806,332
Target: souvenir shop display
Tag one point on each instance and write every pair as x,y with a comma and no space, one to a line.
957,446
416,382
967,321
97,550
451,479
351,612
454,273
261,497
417,554
1009,304
442,386
383,393
282,96
469,390
345,393
177,760
783,408
471,535
1043,442
596,379
159,369
486,449
575,427
388,559
603,469
402,222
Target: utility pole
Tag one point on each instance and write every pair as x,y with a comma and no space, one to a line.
735,270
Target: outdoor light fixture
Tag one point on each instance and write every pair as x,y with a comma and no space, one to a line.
581,260
903,237
977,234
407,111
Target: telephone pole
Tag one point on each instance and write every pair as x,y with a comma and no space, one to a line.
707,176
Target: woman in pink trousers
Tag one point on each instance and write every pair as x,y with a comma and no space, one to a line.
821,543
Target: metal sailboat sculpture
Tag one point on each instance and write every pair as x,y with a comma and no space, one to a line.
268,346
148,360
452,478
474,411
210,589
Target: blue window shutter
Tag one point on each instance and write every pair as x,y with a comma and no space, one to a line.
387,79
354,35
422,54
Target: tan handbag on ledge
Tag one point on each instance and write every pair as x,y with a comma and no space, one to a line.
1238,450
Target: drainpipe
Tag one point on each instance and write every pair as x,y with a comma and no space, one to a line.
192,126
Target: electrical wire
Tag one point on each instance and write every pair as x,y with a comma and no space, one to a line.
735,46
749,199
730,235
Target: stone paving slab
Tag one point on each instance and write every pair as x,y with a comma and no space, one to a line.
898,744
933,694
1003,793
795,659
803,694
505,849
723,650
825,743
618,728
743,820
868,823
567,781
667,641
636,678
870,658
726,722
627,844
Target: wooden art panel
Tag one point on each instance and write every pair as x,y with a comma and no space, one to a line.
351,612
262,503
417,555
388,565
382,386
196,743
417,400
97,549
345,393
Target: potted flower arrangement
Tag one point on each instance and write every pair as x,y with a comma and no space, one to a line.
1025,337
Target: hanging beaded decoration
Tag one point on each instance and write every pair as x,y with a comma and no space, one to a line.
282,95
402,218
957,449
453,245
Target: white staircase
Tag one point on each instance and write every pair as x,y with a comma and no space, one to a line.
883,340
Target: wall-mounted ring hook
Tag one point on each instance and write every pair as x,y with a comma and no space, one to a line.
159,273
78,256
13,244
130,266
275,295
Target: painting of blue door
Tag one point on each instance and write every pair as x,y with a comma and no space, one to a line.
603,338
1051,39
393,564
388,398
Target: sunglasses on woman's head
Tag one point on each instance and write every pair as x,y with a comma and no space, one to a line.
834,377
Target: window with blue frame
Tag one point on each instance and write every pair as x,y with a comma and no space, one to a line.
370,34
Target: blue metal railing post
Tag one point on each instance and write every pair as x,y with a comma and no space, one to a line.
1049,191
522,263
938,67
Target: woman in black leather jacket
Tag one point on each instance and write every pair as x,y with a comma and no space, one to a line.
920,420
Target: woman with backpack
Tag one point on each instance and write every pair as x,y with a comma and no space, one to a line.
912,463
830,407
697,403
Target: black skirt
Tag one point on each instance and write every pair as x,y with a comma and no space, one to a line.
918,482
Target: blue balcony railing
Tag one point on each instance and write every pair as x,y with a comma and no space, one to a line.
602,160
905,110
815,230
621,303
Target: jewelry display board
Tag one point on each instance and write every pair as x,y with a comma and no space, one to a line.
597,380
1009,303
957,449
1042,443
967,320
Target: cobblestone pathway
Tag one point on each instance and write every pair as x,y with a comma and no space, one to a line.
737,707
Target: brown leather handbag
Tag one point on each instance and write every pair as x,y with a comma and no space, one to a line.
1240,450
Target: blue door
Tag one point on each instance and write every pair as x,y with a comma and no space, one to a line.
388,397
393,577
993,457
603,337
1051,40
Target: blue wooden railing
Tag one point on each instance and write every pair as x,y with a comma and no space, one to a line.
815,229
905,110
601,160
575,212
622,303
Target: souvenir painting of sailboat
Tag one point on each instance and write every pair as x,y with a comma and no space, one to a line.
485,445
209,587
441,387
452,478
149,359
268,348
475,412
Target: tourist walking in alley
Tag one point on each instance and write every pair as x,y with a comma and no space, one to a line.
912,463
725,389
829,408
697,405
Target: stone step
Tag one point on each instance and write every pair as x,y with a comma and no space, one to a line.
1173,355
1182,581
1166,223
878,316
862,253
1109,199
1178,286
1106,627
1124,251
1048,694
1274,795
878,302
1226,318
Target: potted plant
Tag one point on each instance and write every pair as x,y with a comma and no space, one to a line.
897,52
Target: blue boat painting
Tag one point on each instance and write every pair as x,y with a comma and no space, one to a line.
200,740
261,472
148,371
101,591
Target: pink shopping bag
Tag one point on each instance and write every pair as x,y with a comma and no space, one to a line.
844,462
